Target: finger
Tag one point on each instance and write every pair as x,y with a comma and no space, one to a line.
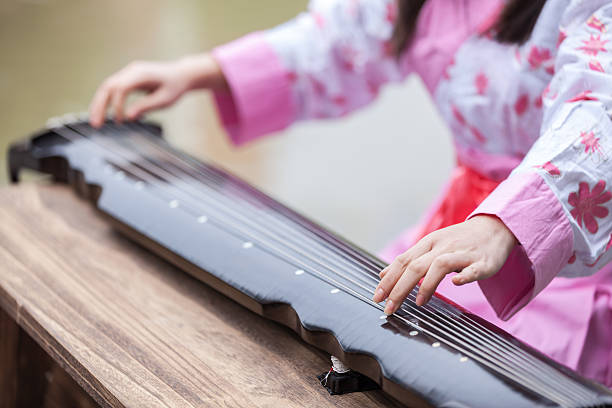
157,99
118,101
411,276
403,287
440,267
469,274
383,272
397,267
99,103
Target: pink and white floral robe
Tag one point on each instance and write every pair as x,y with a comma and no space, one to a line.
534,116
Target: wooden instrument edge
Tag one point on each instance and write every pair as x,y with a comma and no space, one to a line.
61,170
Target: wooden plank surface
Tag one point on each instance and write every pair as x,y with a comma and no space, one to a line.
133,330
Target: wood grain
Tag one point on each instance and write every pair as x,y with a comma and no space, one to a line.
134,331
9,352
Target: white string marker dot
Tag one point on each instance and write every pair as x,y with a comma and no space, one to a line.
299,272
436,344
413,333
202,219
173,203
383,317
463,359
247,245
334,291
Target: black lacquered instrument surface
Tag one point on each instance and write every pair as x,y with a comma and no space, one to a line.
285,267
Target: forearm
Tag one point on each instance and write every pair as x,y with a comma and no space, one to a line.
203,72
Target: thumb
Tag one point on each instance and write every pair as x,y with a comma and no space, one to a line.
468,274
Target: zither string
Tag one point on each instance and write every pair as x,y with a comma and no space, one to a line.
480,337
378,306
478,334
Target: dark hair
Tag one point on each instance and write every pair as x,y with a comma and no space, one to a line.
514,25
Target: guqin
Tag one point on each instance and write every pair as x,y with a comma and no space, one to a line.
288,269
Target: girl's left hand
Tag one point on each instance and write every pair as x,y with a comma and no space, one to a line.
476,248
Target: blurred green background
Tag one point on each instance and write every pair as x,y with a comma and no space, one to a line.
367,176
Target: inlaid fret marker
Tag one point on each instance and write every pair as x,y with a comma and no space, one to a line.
202,219
436,344
383,317
334,291
413,333
247,245
299,272
173,203
463,359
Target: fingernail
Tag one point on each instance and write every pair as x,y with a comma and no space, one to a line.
389,307
379,295
420,300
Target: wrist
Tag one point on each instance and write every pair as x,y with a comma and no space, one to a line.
501,233
201,72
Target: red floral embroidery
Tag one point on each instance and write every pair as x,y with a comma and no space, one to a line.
595,66
588,204
339,100
388,48
596,23
349,55
605,250
594,45
547,94
538,102
391,12
550,168
458,116
538,56
521,104
479,136
583,96
319,19
291,76
373,86
319,87
481,82
572,258
562,36
446,73
590,142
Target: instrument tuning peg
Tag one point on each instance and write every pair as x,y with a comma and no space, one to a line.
83,116
54,122
342,380
70,118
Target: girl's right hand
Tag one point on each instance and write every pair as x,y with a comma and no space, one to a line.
163,82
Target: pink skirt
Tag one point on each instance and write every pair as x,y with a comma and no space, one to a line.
570,320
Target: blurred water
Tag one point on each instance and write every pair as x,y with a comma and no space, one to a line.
367,176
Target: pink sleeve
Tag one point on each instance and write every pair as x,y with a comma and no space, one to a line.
259,100
529,208
333,60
